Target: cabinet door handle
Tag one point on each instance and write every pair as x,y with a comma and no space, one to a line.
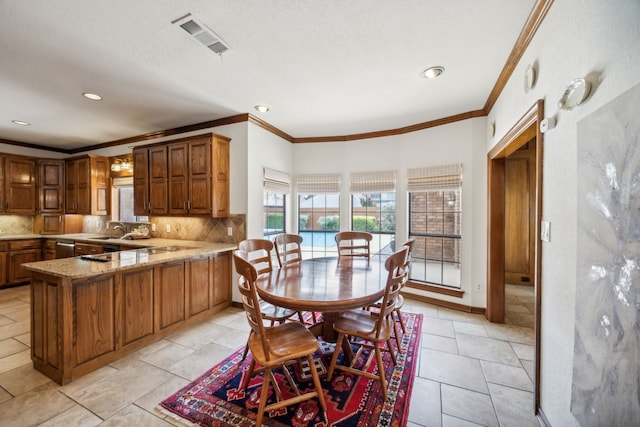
189,204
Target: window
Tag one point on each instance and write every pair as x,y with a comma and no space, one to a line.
375,213
274,213
318,214
122,201
435,213
276,186
373,208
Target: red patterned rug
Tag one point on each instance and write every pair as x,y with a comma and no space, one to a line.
214,399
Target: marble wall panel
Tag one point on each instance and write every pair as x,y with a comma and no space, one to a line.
606,372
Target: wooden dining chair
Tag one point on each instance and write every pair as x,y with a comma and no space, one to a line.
397,313
289,252
372,330
288,249
257,252
400,300
354,244
274,347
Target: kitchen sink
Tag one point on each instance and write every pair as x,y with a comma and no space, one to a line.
105,238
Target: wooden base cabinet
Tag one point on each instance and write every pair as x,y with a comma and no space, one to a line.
81,325
4,258
20,252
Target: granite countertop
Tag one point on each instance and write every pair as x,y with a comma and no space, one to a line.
151,251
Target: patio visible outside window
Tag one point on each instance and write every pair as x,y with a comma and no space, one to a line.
435,214
274,213
318,214
375,213
373,208
276,186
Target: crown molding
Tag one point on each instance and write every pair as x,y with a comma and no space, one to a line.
537,15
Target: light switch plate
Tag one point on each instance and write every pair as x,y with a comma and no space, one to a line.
544,231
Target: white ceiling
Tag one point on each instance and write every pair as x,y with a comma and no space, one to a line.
325,67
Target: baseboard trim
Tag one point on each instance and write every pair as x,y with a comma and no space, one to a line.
445,304
542,418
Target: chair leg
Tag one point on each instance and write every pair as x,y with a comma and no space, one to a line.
383,380
316,382
334,358
396,333
246,351
264,394
245,383
399,313
393,355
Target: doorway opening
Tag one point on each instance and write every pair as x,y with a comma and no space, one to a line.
523,135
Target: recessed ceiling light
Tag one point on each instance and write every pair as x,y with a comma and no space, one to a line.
262,108
92,96
20,122
433,72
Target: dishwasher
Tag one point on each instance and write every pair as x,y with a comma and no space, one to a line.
65,248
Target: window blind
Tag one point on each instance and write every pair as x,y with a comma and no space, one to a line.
373,182
441,177
276,181
319,183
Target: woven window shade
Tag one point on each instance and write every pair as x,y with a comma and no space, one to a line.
373,182
319,183
442,177
276,181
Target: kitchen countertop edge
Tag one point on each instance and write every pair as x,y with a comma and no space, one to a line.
78,268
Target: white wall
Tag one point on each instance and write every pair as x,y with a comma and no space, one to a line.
461,142
265,150
578,37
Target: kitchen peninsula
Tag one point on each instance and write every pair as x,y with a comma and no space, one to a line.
88,311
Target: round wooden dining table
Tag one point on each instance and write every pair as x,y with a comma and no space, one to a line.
325,285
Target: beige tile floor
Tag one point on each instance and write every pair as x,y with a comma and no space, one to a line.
470,372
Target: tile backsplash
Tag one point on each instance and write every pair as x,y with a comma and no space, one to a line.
16,224
213,230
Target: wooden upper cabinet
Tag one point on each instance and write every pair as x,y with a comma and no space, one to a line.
87,182
189,176
178,179
220,172
150,195
158,194
20,185
140,181
52,186
200,177
51,197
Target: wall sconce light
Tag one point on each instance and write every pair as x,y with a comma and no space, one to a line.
575,94
122,165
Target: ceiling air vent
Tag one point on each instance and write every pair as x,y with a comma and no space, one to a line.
202,34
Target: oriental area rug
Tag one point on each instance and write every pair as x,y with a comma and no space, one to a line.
215,398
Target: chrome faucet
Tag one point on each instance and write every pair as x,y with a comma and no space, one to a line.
120,226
